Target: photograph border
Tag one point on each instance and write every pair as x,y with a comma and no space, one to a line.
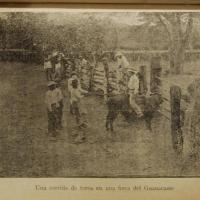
191,189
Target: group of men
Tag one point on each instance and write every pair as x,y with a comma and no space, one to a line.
54,95
54,66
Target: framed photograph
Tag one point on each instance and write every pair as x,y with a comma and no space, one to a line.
99,102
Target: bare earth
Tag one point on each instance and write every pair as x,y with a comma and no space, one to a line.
26,150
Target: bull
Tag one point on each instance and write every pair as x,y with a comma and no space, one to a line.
120,104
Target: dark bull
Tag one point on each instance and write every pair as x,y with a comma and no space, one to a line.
120,104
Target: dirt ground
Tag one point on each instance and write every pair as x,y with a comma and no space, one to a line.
27,151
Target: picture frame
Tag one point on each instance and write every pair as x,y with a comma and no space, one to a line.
105,187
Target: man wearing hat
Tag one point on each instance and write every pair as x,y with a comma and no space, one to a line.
133,88
51,103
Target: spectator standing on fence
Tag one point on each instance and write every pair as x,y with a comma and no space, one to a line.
122,66
48,68
51,103
59,104
133,89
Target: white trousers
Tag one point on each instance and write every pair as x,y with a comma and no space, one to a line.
133,104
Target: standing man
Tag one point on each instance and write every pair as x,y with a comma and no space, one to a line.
51,103
76,96
48,68
133,88
59,104
69,84
58,68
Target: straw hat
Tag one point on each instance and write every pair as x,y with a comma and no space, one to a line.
132,70
118,54
51,83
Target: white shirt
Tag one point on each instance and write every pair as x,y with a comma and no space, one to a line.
133,84
122,62
47,65
59,94
58,66
69,84
51,98
84,62
75,95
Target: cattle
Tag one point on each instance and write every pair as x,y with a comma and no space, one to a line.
120,104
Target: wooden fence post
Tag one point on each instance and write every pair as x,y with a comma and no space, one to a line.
176,132
92,68
106,70
143,79
156,69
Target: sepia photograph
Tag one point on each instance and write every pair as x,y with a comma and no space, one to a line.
99,93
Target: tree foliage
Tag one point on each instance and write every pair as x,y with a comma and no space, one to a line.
178,26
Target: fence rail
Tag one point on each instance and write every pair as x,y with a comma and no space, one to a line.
19,55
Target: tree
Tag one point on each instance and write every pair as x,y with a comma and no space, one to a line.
178,26
90,35
178,37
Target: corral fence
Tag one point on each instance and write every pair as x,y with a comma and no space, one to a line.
171,107
21,55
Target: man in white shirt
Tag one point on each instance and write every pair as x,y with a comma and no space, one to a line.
51,103
69,85
76,96
122,61
48,68
58,69
59,105
133,88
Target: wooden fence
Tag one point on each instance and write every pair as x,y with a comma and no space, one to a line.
172,100
93,77
21,55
